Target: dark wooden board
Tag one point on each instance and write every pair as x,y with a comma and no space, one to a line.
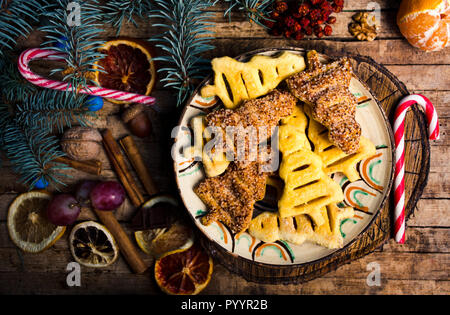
388,90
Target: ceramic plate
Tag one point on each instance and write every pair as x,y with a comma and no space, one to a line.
366,195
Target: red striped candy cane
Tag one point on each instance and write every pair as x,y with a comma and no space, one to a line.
399,136
37,53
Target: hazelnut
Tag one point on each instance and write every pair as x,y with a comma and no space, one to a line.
137,120
82,143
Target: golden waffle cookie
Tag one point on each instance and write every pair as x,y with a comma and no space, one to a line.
278,184
334,159
215,164
249,80
329,234
292,133
307,187
270,227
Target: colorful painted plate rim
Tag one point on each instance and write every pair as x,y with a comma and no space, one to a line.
385,197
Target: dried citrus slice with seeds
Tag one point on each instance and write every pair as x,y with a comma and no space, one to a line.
28,225
128,66
92,245
157,241
184,272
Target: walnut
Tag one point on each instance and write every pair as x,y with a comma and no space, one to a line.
363,27
82,143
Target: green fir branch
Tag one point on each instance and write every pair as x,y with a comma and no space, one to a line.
255,10
116,12
79,42
53,111
185,39
15,18
32,152
13,86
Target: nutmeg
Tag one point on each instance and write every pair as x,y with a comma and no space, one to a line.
82,143
137,120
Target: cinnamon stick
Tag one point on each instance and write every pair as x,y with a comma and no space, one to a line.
118,161
92,167
132,152
126,246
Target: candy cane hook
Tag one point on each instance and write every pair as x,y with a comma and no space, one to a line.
37,53
399,136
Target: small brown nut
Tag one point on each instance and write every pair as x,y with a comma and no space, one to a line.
360,17
82,143
137,120
361,29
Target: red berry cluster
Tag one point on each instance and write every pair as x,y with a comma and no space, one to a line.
299,18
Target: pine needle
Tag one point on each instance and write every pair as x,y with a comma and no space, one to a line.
255,10
116,12
79,42
31,152
15,20
186,37
52,111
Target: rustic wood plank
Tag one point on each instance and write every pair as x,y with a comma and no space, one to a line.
385,51
439,158
222,282
55,283
431,212
437,186
421,240
239,26
423,77
392,51
328,286
432,265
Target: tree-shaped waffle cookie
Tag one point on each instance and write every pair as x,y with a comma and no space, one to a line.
214,163
333,158
236,81
292,132
270,227
306,186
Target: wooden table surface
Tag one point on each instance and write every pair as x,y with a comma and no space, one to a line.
420,266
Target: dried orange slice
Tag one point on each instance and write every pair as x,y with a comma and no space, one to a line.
184,272
28,225
92,245
129,67
159,241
